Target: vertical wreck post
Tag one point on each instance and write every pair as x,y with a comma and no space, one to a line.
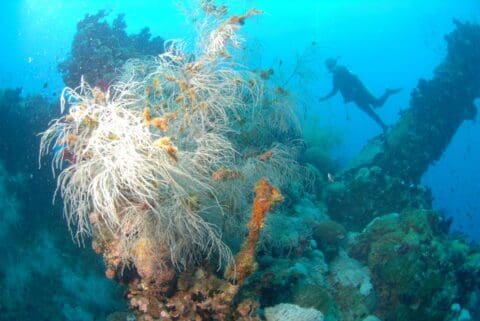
384,176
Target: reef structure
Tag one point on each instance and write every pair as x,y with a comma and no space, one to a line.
201,294
160,237
384,253
145,166
99,49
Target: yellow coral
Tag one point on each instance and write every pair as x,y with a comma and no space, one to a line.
147,116
156,83
144,258
98,95
166,144
90,122
113,136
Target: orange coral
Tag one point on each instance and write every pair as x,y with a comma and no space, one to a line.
265,155
166,144
98,95
160,123
144,260
70,140
151,262
147,116
241,19
224,174
109,246
265,197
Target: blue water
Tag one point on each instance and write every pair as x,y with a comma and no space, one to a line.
386,43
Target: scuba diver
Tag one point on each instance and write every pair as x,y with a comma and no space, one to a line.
352,89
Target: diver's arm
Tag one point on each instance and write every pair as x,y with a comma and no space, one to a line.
332,93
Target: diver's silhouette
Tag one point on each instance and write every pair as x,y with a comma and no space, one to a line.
352,89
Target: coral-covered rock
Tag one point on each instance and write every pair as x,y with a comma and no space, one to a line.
99,49
292,312
413,265
328,234
367,192
352,287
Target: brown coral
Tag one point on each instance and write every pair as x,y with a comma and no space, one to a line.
265,156
241,19
224,174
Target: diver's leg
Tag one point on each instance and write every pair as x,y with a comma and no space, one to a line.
367,109
378,102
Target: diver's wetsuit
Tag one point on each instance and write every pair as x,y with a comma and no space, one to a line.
352,89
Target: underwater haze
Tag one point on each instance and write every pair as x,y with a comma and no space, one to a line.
240,160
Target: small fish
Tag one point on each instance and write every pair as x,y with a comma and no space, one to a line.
45,85
331,178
